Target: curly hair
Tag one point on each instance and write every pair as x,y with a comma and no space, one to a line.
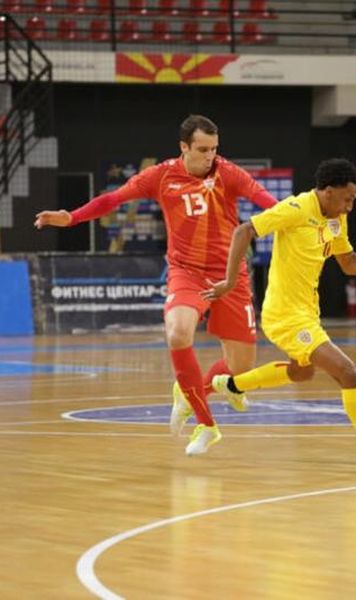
336,172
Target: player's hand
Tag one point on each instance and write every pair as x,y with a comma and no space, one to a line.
57,218
216,290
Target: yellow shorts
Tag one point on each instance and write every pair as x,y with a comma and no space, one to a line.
297,337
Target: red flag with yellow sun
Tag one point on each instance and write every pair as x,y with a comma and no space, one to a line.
142,67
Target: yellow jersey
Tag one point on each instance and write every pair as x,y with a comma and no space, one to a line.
303,239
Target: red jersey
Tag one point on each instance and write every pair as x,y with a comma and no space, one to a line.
200,213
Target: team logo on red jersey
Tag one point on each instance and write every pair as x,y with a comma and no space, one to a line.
209,183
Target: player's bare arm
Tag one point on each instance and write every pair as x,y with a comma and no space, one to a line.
56,218
347,262
241,239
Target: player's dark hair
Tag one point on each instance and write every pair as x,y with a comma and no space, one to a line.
336,172
194,122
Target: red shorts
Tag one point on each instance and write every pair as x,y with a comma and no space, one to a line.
231,317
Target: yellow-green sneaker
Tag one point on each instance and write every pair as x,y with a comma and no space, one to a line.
202,437
181,410
237,400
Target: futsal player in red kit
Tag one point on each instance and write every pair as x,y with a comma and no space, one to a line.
197,193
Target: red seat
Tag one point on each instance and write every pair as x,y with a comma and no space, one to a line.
103,6
251,34
224,6
199,8
137,7
67,30
99,30
191,32
45,6
12,6
128,32
76,6
258,9
161,32
36,28
168,7
221,32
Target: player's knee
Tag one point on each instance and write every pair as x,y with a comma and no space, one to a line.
297,373
178,337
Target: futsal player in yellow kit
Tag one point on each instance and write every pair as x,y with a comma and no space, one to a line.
308,229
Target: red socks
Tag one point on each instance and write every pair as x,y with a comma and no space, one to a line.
190,379
218,368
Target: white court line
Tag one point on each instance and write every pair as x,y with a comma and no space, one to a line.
86,399
84,434
85,565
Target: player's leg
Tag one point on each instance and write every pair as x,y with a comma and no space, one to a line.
181,323
180,327
273,374
183,310
338,365
240,358
232,319
298,347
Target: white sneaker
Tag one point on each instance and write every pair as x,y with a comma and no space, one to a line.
237,400
181,410
203,437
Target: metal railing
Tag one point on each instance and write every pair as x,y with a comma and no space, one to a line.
25,67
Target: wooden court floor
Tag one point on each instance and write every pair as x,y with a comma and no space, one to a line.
97,499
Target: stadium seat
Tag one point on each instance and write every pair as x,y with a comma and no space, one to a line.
67,30
128,32
168,7
45,6
36,28
251,34
258,9
99,30
191,32
199,8
223,8
137,7
160,32
12,6
103,7
221,32
77,6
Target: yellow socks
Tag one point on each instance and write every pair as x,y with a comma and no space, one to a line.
272,374
349,400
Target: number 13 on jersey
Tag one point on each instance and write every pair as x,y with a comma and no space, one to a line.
195,204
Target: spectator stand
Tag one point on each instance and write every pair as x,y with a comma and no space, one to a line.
170,25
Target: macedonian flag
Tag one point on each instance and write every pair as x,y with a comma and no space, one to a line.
142,67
